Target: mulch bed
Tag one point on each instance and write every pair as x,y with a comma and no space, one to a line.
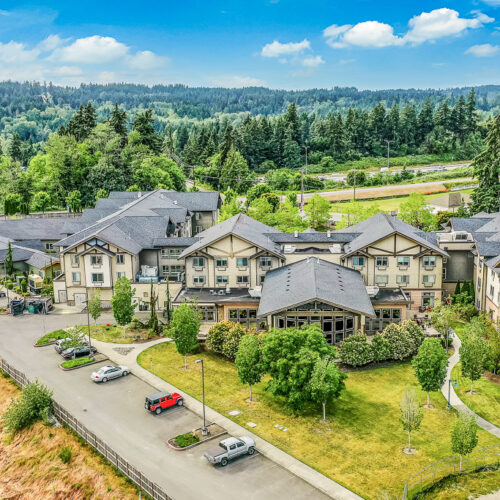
492,377
215,432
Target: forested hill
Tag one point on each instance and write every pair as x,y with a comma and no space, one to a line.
204,102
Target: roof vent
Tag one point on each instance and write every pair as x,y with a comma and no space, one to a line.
228,290
328,234
175,202
295,234
221,292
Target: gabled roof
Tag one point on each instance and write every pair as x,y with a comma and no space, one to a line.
382,225
243,227
50,229
314,279
313,237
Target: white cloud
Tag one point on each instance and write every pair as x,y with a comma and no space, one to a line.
313,61
51,43
277,49
92,50
14,53
147,60
427,26
483,50
494,3
347,61
236,81
68,71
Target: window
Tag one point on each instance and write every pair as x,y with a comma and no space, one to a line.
242,279
96,260
428,279
222,280
174,253
172,272
428,299
221,262
358,261
120,258
242,262
382,262
381,279
120,274
429,261
444,272
246,317
198,261
207,313
402,279
262,278
75,277
492,291
75,260
49,246
265,262
198,280
403,261
478,283
461,236
97,278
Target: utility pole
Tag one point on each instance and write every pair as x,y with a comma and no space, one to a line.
302,192
306,148
388,148
88,317
354,191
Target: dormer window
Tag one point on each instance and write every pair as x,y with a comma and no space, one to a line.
96,260
461,237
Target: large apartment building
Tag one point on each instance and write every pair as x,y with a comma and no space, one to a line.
365,277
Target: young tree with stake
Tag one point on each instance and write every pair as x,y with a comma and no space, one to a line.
327,382
248,361
430,366
185,327
411,415
121,302
95,306
464,435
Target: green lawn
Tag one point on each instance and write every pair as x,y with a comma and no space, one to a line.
486,403
361,444
388,204
73,363
459,328
52,337
114,334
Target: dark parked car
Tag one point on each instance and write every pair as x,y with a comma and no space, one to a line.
63,344
78,352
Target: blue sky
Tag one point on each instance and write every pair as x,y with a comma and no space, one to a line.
277,43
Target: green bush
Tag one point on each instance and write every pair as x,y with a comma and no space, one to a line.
414,333
232,341
73,363
381,348
10,285
356,350
216,336
33,403
52,336
18,290
183,440
66,454
400,344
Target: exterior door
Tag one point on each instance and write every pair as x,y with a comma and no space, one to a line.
62,296
80,299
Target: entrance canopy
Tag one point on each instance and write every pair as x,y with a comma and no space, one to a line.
314,279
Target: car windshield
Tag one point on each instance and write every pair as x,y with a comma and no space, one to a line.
66,351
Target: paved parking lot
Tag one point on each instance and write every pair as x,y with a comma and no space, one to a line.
115,412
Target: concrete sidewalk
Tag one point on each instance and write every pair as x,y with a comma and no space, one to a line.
126,354
455,401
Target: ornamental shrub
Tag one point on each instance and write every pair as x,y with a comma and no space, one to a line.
414,333
381,348
399,342
232,341
217,334
356,350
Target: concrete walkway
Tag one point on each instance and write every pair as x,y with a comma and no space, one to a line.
126,354
455,401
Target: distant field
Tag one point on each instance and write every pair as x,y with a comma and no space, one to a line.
388,204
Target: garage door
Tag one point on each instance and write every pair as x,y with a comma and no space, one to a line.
80,300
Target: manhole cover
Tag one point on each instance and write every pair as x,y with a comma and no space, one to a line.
123,350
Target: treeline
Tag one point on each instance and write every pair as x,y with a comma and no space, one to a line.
86,160
34,110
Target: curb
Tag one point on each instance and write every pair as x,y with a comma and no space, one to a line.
44,345
170,443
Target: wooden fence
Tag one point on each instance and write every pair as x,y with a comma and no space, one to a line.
147,486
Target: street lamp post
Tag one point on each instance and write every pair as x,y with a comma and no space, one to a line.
448,407
388,154
6,285
306,148
88,316
204,429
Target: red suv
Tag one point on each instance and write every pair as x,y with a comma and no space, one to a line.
160,401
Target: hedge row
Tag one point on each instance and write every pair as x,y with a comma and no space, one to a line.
396,342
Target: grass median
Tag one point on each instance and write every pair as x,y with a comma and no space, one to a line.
51,337
360,446
75,363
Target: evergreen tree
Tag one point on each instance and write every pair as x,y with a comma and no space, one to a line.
15,147
486,168
118,120
144,125
9,260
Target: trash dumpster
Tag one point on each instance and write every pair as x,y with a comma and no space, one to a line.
17,307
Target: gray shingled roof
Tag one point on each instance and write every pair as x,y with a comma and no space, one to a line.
239,225
33,228
314,279
467,224
174,242
381,225
313,237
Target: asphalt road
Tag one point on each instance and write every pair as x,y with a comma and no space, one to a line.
115,412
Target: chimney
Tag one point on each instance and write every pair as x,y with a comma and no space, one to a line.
328,234
295,234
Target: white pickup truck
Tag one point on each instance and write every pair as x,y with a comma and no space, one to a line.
230,448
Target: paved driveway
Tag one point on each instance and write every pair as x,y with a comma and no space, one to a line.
115,412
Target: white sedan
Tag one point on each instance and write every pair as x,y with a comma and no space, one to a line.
109,372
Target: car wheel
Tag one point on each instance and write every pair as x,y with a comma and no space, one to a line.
251,450
124,373
158,411
180,402
104,379
223,462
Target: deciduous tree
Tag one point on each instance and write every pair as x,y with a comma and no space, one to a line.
185,327
121,302
411,414
464,435
248,361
